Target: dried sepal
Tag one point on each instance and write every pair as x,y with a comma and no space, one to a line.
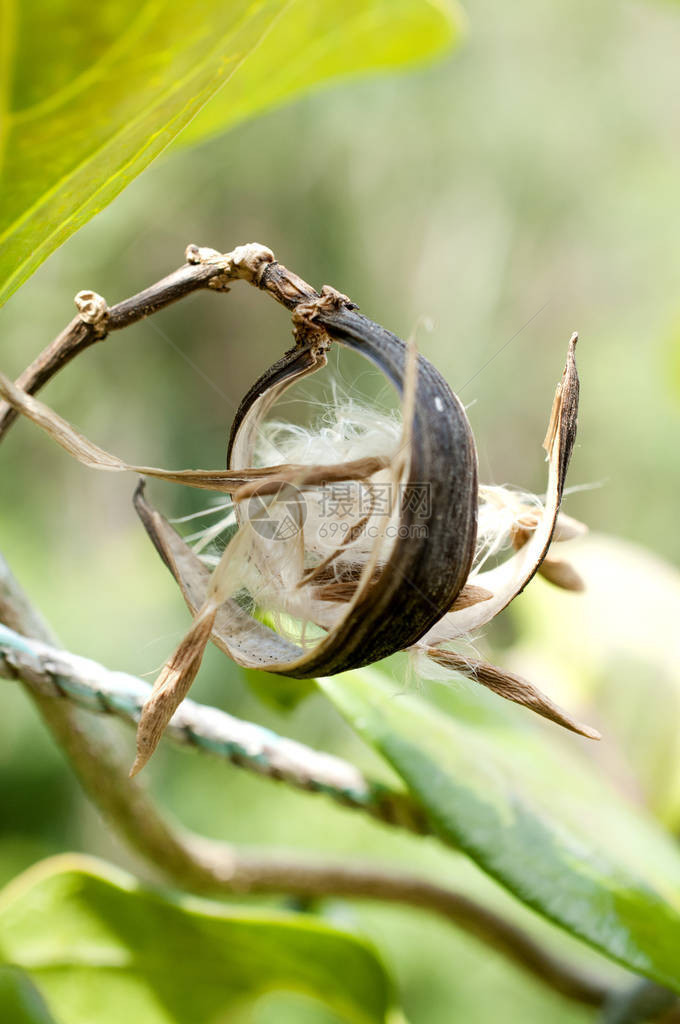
508,580
172,686
510,686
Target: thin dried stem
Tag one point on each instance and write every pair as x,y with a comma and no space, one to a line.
242,483
85,331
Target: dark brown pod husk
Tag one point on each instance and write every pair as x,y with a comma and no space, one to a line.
416,593
389,608
426,570
428,566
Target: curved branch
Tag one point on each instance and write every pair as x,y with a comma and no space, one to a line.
209,867
253,875
86,329
50,672
204,268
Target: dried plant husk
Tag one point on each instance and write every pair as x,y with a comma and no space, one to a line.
511,687
415,593
508,580
425,571
388,610
424,579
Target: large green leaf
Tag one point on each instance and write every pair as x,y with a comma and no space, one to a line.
20,1001
340,38
529,808
102,948
624,672
90,94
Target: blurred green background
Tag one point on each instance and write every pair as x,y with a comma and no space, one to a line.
522,188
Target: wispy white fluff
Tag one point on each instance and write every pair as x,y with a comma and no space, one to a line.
345,430
499,511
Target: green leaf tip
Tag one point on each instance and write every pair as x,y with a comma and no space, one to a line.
93,941
88,101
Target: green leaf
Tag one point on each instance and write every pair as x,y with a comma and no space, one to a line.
529,809
20,1001
89,95
283,693
100,947
625,669
343,38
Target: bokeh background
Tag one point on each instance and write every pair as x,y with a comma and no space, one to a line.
522,188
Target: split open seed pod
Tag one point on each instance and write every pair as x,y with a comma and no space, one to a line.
418,585
396,599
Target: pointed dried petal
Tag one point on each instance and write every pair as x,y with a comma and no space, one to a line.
508,580
172,686
510,686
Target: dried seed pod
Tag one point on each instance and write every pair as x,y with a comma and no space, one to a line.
417,593
427,567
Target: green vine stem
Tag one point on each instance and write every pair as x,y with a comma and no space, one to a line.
213,868
50,672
